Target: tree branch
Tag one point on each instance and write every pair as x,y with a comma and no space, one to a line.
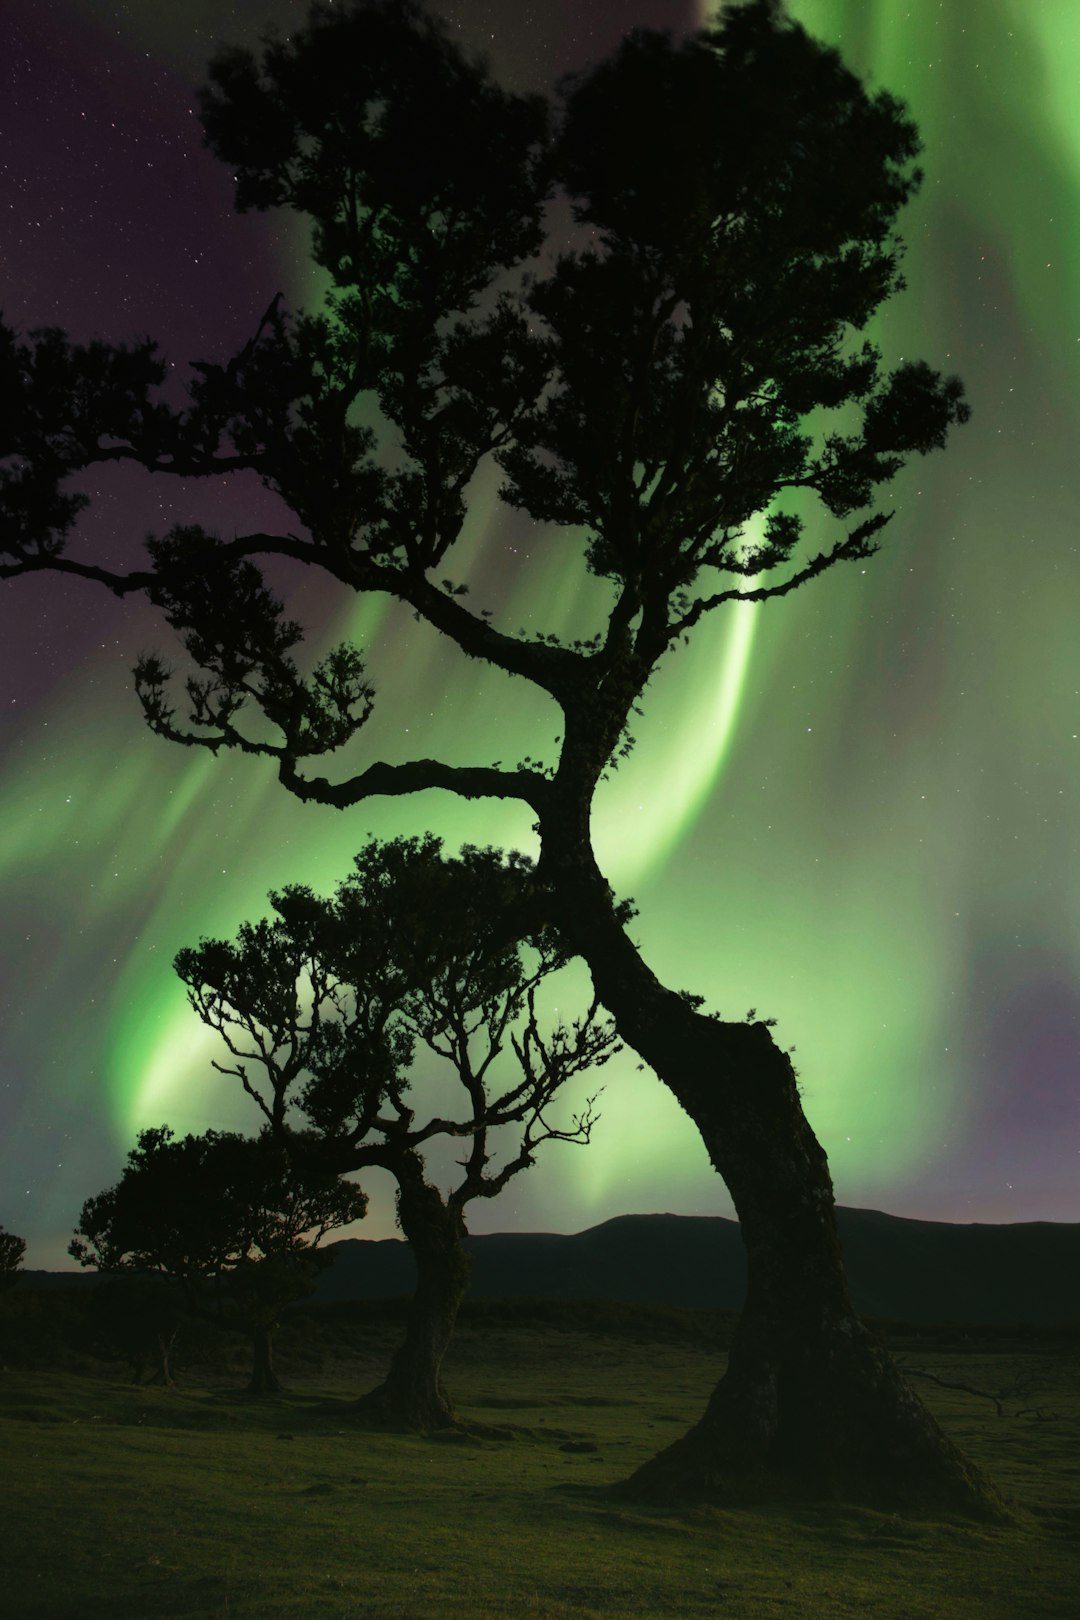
247,545
392,781
557,670
853,546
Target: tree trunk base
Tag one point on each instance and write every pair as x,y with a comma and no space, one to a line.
265,1384
841,1425
389,1407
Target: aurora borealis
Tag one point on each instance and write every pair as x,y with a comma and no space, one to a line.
853,809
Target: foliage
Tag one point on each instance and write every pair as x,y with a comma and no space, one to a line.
187,1212
332,998
683,366
192,1208
12,1249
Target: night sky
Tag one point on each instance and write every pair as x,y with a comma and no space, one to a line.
853,809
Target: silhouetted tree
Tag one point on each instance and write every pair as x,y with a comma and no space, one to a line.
196,1209
290,1204
331,1001
12,1249
678,389
139,1317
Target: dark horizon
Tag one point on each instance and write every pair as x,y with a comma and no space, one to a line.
900,1270
357,1234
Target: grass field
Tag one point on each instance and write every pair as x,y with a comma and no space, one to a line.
125,1503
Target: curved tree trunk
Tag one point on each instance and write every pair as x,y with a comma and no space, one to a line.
264,1380
811,1400
811,1397
413,1393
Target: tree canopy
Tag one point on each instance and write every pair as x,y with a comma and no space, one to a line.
194,1207
414,965
690,362
327,1006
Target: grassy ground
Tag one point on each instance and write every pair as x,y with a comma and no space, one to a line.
129,1504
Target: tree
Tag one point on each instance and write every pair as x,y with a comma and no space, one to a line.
194,1210
332,999
682,389
287,1206
12,1249
138,1317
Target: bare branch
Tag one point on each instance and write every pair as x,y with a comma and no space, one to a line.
382,780
851,548
248,545
948,1383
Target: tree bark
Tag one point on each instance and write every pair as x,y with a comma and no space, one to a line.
811,1397
264,1380
162,1374
811,1401
413,1394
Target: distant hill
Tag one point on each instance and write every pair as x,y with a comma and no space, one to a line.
900,1270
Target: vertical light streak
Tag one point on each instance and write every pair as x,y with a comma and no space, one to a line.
686,736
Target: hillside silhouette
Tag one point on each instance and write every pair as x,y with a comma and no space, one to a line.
900,1270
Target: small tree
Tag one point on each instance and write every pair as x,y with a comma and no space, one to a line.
289,1204
262,1286
12,1249
331,1001
138,1316
197,1209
